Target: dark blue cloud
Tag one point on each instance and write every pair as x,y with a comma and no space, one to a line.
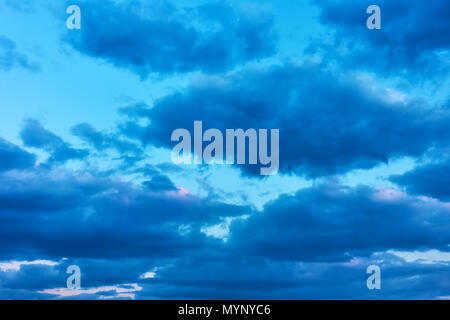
160,183
13,157
102,141
293,248
11,58
329,124
59,213
332,223
88,133
26,277
35,135
428,180
413,37
162,38
237,277
244,277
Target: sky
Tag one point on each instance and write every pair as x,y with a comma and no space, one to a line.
87,178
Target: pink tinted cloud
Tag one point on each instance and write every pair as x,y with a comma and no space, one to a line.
122,291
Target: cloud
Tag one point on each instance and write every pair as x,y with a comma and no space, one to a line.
332,223
164,39
148,275
412,41
35,135
427,257
293,248
428,180
55,212
246,277
11,58
212,275
13,157
102,141
329,124
160,183
16,265
43,190
25,282
118,291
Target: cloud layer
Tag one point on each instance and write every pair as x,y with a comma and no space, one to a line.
109,201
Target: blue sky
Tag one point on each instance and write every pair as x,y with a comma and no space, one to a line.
86,176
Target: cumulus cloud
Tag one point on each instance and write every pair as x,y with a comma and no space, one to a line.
413,37
429,180
101,141
13,157
59,213
329,124
35,135
246,277
331,222
163,38
292,248
160,183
